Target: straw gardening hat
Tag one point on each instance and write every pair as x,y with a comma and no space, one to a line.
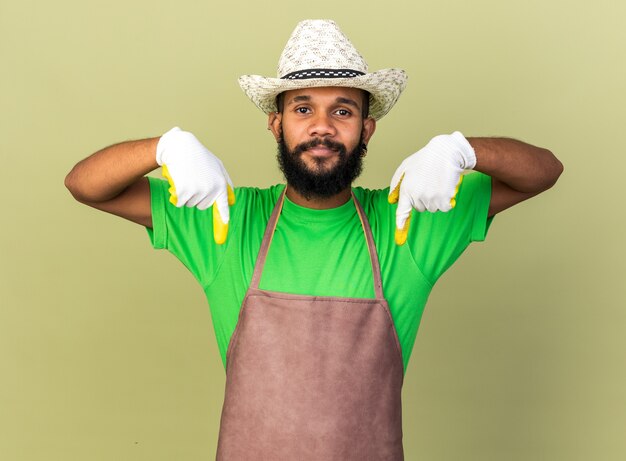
319,54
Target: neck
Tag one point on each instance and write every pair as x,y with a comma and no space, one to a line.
318,203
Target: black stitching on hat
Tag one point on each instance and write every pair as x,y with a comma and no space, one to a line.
324,73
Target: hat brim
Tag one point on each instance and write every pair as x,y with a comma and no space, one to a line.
384,86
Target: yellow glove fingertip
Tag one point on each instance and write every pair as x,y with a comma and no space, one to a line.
220,229
400,237
401,234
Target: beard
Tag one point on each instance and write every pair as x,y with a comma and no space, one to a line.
320,182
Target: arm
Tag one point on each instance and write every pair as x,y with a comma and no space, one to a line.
112,180
429,179
518,170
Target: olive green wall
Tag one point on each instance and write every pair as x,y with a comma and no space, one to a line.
106,346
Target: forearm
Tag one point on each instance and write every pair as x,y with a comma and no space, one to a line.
522,167
107,173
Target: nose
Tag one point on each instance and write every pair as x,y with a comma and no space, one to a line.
322,126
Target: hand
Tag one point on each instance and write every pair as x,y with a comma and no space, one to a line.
197,177
430,178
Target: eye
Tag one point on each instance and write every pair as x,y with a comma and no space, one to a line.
302,110
343,112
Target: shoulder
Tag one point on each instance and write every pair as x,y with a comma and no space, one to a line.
371,198
276,188
258,194
375,203
254,202
380,213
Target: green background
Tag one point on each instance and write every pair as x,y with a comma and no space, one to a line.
106,346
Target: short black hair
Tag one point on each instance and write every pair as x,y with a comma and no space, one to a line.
365,110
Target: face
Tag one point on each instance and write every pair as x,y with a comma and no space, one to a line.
320,134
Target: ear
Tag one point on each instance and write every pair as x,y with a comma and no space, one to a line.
369,126
274,124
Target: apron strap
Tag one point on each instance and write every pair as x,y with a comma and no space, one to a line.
378,283
267,239
269,234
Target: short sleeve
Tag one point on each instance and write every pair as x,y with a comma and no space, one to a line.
438,239
186,232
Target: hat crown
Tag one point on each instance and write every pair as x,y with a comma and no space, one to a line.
319,44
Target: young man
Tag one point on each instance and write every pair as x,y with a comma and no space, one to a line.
316,288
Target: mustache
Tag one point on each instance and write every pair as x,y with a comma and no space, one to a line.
337,146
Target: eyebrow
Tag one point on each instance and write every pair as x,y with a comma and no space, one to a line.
299,99
340,100
350,102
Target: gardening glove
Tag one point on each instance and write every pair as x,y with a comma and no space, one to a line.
430,179
197,177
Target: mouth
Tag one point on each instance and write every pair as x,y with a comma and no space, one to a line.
321,151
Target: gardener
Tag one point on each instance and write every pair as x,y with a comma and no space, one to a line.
316,288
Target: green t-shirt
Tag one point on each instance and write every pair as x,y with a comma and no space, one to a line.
320,252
